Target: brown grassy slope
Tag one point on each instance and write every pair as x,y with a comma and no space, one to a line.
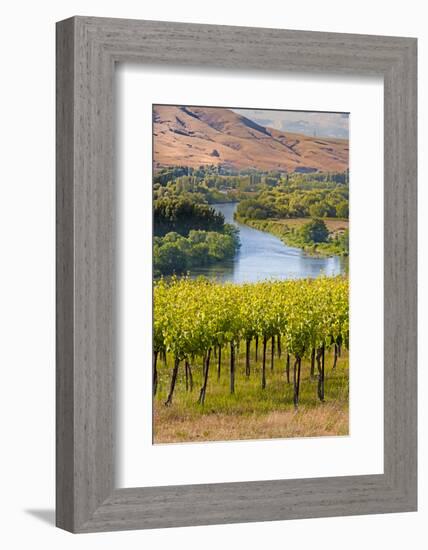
195,136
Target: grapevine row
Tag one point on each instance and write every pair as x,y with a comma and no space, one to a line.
198,318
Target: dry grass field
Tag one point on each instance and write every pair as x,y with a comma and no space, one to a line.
334,225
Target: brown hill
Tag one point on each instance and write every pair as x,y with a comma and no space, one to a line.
196,136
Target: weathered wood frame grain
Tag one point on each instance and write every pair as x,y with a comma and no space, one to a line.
87,50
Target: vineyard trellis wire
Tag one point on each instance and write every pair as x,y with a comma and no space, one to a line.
198,318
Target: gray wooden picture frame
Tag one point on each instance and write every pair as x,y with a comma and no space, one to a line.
87,50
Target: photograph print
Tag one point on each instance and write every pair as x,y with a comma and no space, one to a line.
250,274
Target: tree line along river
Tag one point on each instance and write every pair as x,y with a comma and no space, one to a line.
263,256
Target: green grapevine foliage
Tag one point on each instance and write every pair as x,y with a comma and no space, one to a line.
194,316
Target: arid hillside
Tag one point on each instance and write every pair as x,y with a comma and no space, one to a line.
195,136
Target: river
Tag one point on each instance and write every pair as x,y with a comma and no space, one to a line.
264,256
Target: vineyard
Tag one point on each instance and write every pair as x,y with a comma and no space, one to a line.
204,329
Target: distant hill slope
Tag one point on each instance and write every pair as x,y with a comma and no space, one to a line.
196,136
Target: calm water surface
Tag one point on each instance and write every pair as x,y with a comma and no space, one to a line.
264,256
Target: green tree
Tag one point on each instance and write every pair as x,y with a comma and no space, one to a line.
315,231
169,258
342,210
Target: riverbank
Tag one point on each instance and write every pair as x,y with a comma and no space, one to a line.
288,231
263,255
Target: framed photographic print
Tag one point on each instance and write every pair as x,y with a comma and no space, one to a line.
236,274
